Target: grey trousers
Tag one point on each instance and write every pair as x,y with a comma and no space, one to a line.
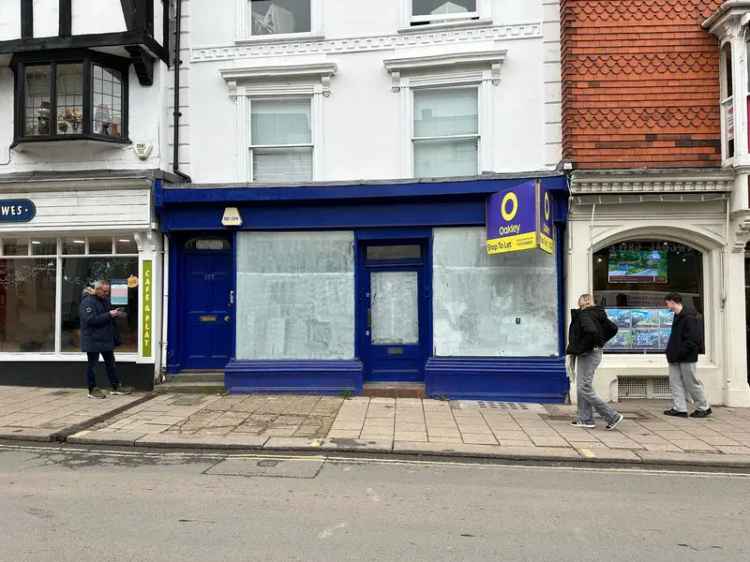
685,384
588,401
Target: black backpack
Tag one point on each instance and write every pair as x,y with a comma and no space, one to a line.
607,330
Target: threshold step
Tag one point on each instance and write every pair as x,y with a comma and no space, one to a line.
197,376
393,390
190,388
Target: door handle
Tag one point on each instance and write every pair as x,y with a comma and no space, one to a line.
227,318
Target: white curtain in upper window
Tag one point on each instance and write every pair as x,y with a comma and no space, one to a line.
439,113
281,122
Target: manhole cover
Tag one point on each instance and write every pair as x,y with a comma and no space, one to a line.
305,468
519,407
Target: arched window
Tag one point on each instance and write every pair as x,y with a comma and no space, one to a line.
630,282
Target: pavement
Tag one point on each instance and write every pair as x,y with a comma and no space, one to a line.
378,426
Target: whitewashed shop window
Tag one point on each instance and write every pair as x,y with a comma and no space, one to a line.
295,295
492,306
281,140
278,19
446,136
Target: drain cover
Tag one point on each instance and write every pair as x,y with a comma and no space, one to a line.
270,468
519,407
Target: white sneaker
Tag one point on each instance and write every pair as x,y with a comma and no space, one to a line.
588,425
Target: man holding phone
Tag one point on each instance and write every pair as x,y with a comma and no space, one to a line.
99,337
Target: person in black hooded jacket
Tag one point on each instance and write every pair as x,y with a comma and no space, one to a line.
685,343
585,343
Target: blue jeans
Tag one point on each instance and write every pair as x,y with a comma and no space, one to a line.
588,401
109,365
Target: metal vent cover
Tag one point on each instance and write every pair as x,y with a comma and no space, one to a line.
640,388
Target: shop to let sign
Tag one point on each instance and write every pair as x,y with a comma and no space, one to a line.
520,219
17,210
146,309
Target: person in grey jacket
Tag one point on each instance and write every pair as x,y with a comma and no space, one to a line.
99,337
585,343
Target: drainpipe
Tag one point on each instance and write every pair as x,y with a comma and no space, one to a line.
177,113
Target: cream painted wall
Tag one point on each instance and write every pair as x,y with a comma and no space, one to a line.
97,16
10,20
46,18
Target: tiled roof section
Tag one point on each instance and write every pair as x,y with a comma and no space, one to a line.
640,84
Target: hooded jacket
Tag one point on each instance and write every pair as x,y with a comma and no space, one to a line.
98,330
685,342
584,333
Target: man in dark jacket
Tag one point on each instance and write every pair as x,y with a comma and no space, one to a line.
684,344
586,340
98,337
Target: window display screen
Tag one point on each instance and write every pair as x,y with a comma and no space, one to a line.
640,329
638,266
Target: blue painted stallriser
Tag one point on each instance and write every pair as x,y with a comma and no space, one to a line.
298,377
522,381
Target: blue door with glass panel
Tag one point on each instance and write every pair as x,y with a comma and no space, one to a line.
208,314
395,307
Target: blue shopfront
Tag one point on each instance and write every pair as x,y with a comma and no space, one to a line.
328,287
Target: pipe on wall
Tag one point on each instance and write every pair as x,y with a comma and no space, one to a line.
176,114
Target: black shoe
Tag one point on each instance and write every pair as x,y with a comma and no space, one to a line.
673,412
701,413
613,424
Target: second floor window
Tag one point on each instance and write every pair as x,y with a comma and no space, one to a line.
434,11
281,141
70,99
727,100
446,132
272,17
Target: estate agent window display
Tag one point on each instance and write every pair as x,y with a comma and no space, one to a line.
630,281
73,96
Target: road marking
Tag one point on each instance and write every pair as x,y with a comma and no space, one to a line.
328,533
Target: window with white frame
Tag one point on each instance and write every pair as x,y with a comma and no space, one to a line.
445,136
423,12
281,140
727,101
275,17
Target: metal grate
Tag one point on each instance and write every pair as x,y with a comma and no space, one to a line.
507,406
639,388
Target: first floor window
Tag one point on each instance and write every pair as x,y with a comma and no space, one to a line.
446,132
281,140
271,17
631,280
41,276
432,11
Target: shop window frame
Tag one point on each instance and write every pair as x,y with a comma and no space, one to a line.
88,60
59,257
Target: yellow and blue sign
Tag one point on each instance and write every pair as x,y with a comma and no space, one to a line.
520,219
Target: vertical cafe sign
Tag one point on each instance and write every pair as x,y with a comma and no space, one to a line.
520,219
146,309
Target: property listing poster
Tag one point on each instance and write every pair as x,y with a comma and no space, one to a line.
640,329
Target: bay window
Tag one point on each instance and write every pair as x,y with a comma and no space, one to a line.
80,95
446,132
281,141
727,101
42,282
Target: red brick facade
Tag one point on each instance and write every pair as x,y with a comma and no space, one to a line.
640,84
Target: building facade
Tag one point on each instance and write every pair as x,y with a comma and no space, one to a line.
657,145
342,158
83,139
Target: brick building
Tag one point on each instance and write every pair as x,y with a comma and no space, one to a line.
659,200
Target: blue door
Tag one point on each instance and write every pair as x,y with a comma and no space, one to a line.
395,301
209,303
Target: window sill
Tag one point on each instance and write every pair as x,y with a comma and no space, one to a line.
281,38
25,144
447,26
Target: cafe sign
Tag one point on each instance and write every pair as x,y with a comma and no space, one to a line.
520,219
17,210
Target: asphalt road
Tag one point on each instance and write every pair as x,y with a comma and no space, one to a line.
101,506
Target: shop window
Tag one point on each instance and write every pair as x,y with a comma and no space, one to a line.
630,282
27,305
81,96
438,11
33,288
274,17
80,273
492,306
295,295
446,132
281,142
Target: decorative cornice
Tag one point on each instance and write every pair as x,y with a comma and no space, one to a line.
364,44
489,59
649,182
728,18
322,71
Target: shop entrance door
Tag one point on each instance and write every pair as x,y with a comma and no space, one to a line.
208,319
395,304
